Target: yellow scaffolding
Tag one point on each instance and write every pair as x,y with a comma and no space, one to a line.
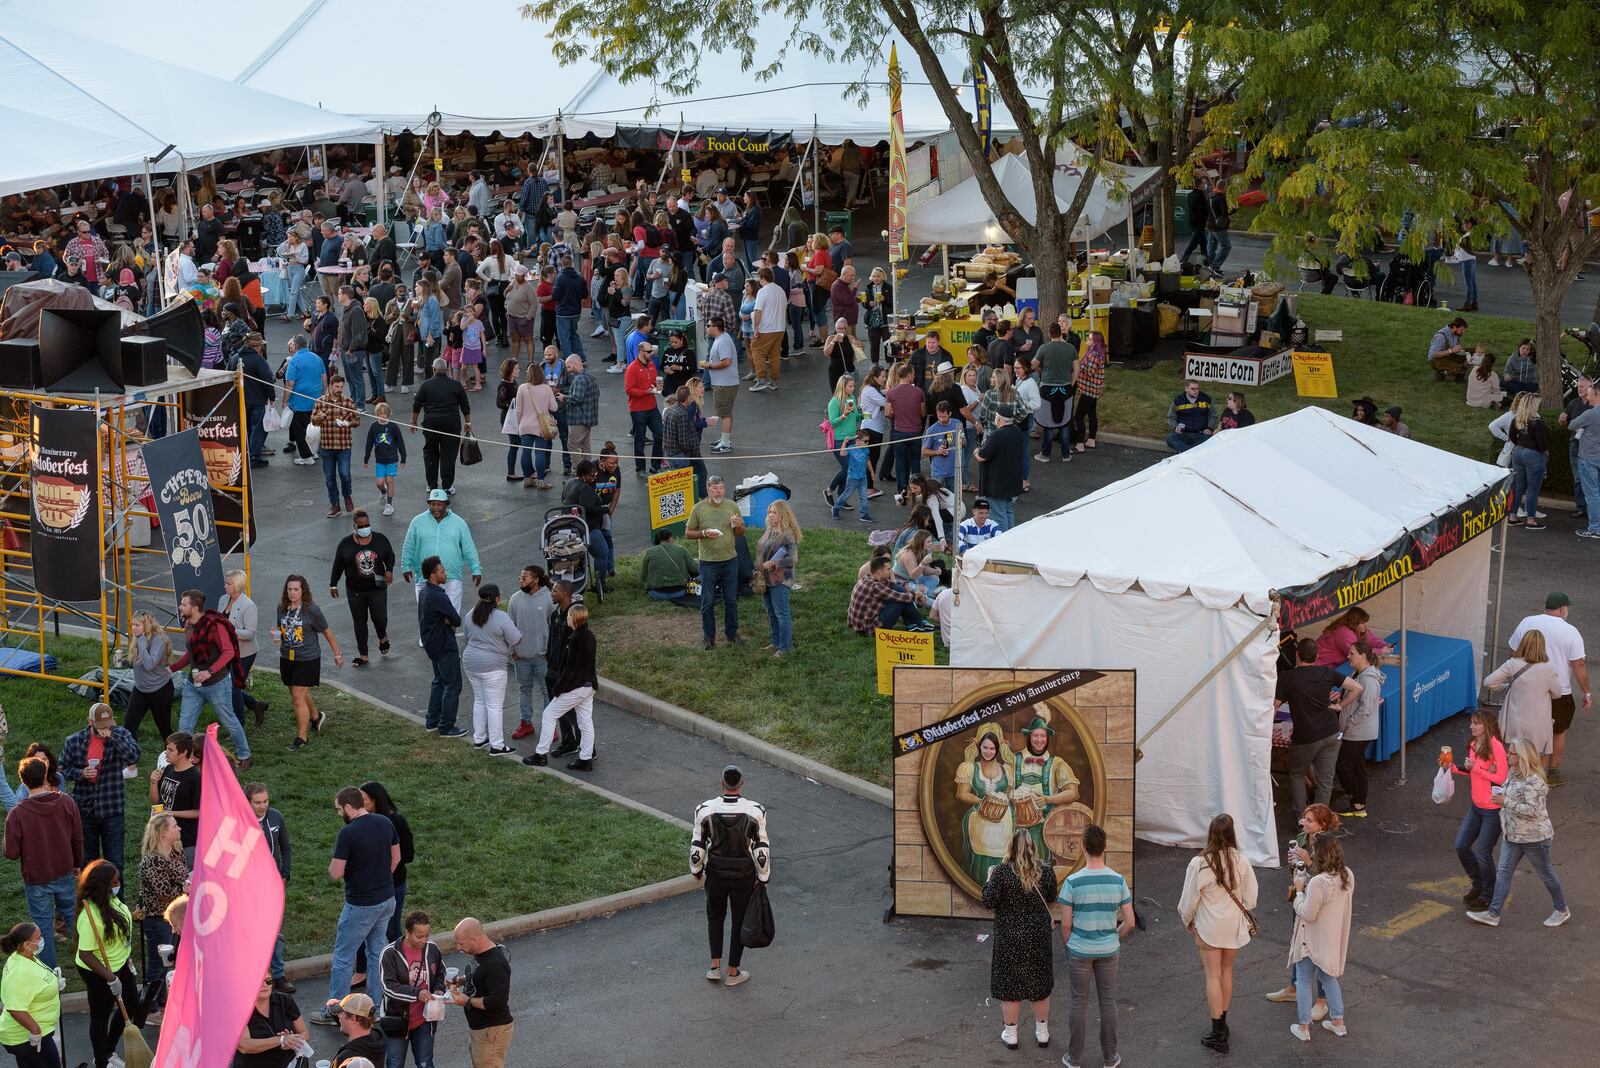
27,617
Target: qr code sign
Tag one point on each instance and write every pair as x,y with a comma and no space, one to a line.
670,505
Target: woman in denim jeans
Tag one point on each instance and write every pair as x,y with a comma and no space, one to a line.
1530,456
1480,827
1525,818
296,257
1322,900
776,554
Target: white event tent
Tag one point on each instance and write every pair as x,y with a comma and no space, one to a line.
355,57
77,108
960,216
1173,572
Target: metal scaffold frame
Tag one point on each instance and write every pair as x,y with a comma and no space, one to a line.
29,619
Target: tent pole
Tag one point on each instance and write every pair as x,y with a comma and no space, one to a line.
1404,690
561,159
1270,620
1499,589
666,164
150,198
816,179
185,204
380,169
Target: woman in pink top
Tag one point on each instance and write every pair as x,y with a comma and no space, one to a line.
535,398
1480,827
1333,646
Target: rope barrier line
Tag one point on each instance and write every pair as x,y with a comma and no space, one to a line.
287,392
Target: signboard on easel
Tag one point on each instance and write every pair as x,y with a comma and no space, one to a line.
1313,375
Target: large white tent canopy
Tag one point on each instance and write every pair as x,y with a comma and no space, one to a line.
960,215
356,57
1172,570
77,108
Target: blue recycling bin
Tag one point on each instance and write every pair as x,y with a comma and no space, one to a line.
753,504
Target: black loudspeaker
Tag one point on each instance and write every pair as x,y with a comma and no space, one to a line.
11,278
80,350
19,364
144,361
180,327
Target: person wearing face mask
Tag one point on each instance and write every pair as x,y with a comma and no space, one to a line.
105,946
31,991
365,560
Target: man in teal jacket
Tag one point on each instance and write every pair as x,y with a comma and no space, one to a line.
440,532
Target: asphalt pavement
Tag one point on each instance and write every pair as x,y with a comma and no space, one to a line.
841,985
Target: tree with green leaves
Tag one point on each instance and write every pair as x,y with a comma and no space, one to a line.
1061,70
1478,116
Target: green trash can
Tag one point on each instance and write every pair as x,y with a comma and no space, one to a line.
1180,213
831,219
666,326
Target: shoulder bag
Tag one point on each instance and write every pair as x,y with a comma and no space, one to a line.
471,451
1250,923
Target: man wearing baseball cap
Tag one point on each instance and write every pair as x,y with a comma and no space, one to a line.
92,761
358,1022
731,851
1564,645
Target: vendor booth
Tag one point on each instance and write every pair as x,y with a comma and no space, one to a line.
1186,571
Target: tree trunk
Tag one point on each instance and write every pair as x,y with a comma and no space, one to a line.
1165,203
1547,343
1050,262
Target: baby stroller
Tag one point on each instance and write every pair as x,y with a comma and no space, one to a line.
564,538
1408,282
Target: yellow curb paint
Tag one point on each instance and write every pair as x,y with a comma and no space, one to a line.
1457,885
1409,920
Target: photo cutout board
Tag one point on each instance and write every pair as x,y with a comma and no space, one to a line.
983,752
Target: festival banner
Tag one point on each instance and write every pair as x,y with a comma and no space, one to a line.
214,411
987,709
897,165
177,471
235,910
1414,551
65,484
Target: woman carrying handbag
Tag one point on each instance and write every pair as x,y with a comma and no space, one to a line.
1219,890
1023,969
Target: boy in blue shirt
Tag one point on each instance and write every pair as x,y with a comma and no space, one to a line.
383,438
939,444
857,461
1096,915
976,528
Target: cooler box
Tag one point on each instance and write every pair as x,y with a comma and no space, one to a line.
754,502
830,219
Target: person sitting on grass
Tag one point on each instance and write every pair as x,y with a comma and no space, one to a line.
1190,418
1483,385
878,600
1445,353
666,571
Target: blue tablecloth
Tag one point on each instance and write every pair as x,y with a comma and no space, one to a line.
1442,677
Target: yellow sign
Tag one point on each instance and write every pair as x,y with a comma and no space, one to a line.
901,648
1313,375
671,497
734,144
955,335
685,176
438,164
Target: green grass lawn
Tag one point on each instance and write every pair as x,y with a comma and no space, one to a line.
1383,355
492,838
822,701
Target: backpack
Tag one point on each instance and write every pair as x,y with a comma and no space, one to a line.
210,621
729,850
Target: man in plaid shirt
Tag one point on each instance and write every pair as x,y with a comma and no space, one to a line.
715,301
582,408
92,760
337,418
877,601
88,247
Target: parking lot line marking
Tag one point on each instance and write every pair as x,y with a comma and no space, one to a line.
1409,920
1456,885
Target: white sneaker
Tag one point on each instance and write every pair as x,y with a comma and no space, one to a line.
305,461
1008,1036
1041,1032
615,369
1338,1029
1301,1032
760,385
404,390
751,377
1555,919
114,1061
1494,261
1318,1011
735,980
1487,918
599,331
388,509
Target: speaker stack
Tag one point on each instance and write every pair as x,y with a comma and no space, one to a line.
19,364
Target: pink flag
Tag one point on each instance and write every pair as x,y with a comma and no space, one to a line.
235,907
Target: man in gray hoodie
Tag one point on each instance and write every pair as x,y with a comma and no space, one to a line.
530,610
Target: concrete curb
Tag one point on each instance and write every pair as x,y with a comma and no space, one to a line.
582,784
642,704
499,930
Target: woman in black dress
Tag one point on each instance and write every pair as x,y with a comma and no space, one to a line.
1023,969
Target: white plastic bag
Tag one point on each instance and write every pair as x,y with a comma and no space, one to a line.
433,1008
271,420
313,437
1444,786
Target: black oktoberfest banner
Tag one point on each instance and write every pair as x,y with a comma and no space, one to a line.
214,411
980,712
177,472
65,485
